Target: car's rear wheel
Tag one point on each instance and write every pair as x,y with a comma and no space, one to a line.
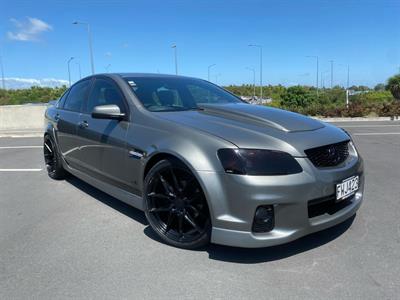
175,205
52,159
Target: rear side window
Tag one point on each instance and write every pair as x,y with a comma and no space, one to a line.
60,102
77,96
105,92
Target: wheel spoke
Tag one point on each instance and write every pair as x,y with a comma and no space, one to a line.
180,224
156,195
192,222
171,217
175,180
160,209
48,148
167,187
188,185
194,197
196,211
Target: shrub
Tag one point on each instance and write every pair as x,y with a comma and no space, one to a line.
394,86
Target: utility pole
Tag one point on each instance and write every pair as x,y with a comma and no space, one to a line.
348,76
322,82
89,41
331,61
208,71
69,70
176,58
254,81
261,68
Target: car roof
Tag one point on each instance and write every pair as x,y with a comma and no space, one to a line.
147,75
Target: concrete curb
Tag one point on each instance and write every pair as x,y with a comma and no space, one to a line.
360,119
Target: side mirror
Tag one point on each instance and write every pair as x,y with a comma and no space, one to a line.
110,111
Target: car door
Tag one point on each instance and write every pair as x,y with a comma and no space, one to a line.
104,151
67,118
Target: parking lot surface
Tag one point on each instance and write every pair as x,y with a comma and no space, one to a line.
62,239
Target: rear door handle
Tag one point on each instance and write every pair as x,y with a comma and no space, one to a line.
83,124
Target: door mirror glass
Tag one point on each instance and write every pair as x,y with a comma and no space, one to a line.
110,111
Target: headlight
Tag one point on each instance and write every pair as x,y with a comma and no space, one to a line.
352,149
258,162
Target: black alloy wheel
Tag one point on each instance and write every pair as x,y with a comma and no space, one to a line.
175,205
52,159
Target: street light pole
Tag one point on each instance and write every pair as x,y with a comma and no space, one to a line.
79,69
317,70
176,58
348,76
254,81
89,41
69,70
208,71
261,68
331,61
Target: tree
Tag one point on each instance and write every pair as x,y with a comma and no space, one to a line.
297,97
394,86
379,87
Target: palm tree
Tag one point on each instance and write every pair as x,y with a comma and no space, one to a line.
394,86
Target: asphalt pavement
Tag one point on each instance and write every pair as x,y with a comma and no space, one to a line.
66,239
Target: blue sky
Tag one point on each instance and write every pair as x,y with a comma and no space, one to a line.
37,38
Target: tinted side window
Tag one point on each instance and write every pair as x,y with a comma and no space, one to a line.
60,102
105,92
77,96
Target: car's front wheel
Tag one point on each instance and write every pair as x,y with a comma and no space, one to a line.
175,205
52,159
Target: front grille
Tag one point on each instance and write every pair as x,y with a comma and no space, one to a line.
327,205
329,155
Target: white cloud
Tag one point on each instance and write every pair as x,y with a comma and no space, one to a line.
28,30
108,54
23,83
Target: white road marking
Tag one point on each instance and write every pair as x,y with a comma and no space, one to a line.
359,126
20,136
20,170
377,133
20,147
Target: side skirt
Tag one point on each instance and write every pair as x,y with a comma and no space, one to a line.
129,198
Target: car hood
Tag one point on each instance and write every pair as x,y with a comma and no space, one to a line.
263,115
256,126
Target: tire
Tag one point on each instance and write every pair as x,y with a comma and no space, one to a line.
52,159
175,205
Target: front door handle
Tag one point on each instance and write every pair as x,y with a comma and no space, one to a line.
83,124
56,117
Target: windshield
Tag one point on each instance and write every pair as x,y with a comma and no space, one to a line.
174,93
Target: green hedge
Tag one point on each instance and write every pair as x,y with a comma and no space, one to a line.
32,95
302,99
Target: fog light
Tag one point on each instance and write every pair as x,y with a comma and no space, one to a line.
264,219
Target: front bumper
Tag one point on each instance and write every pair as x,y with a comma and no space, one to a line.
233,200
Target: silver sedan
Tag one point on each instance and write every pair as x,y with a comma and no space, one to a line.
202,164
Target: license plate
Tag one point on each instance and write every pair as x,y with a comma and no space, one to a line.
347,188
